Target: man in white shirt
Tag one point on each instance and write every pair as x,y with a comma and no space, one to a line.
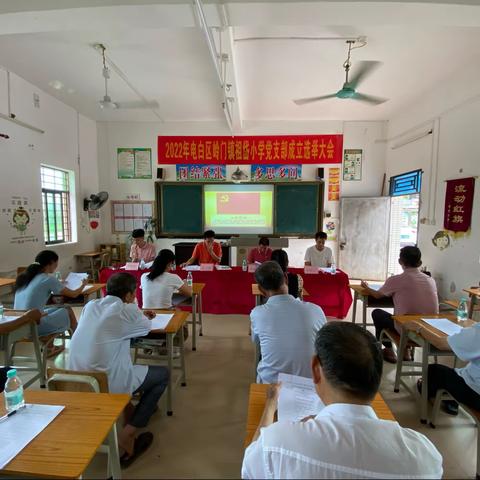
319,255
284,326
346,439
101,342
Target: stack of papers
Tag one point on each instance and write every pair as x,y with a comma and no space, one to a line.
8,318
192,268
298,398
223,267
74,280
444,325
161,321
20,429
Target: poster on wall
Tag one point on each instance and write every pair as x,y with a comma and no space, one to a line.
22,218
94,219
261,149
459,204
352,165
201,173
129,215
134,163
333,184
330,226
276,173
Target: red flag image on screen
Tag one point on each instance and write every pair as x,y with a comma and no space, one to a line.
247,203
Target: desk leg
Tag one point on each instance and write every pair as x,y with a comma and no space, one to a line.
471,306
182,357
200,312
114,455
424,399
170,371
38,355
364,311
194,321
93,271
257,354
354,314
257,300
400,350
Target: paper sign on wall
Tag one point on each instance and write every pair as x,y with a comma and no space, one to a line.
22,218
333,184
134,163
352,164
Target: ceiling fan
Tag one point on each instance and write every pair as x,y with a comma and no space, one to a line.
349,89
107,103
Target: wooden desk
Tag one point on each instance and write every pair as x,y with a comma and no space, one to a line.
367,302
23,327
174,328
91,256
258,294
7,282
427,350
474,294
66,447
258,397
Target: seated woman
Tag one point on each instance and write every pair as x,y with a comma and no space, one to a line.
36,284
295,282
158,286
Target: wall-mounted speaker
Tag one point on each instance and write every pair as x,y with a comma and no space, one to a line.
320,173
160,173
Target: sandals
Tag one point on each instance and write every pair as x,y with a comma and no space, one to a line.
141,445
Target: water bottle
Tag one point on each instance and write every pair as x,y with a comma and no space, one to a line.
462,310
244,265
174,266
189,279
58,276
142,264
1,310
333,268
13,392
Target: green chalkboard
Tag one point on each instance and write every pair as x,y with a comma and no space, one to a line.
179,209
298,208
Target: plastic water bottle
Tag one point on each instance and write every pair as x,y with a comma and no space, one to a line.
58,276
13,392
174,266
142,264
189,279
244,265
1,310
462,310
333,268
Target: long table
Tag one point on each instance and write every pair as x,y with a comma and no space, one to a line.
230,291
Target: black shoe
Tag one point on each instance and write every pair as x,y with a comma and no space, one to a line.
450,407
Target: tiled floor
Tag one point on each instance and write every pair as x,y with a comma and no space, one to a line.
204,437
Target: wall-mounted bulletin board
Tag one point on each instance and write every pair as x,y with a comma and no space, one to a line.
134,163
128,215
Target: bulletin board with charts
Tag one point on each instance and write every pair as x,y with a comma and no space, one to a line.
134,163
129,215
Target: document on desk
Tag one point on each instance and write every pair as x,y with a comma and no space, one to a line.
8,318
444,325
74,280
20,429
192,268
161,321
298,398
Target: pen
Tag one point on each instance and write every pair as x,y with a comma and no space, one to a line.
8,415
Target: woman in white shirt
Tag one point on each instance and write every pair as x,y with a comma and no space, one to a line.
158,286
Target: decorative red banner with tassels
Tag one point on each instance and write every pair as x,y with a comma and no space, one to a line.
271,149
459,204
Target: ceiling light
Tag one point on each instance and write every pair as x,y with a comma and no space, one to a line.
56,84
107,103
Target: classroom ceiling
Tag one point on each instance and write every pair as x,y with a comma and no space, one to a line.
163,54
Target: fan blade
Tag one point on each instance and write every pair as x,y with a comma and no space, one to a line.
361,72
369,98
140,104
303,101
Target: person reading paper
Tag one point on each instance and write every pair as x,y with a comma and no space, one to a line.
207,251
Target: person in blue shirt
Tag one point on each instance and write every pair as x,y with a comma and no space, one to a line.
33,288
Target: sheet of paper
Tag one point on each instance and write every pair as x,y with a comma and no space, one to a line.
137,210
375,286
298,398
119,225
143,163
20,429
128,210
8,318
147,210
74,280
325,269
138,223
118,209
86,288
192,268
444,325
131,266
161,321
128,224
223,267
149,264
310,269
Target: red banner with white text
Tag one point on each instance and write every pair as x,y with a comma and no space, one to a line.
271,149
459,204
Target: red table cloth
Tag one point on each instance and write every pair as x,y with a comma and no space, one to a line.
230,291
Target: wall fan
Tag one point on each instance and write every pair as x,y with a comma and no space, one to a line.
349,89
107,103
95,201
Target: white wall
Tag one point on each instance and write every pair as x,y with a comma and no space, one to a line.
452,110
113,135
21,156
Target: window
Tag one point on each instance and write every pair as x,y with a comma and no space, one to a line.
56,191
406,183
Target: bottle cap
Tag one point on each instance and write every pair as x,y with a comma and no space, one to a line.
12,373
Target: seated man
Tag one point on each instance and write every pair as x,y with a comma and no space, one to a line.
141,250
262,253
102,343
412,292
462,383
319,255
345,439
284,326
207,251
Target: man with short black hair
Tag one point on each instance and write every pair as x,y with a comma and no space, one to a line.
101,342
413,292
319,255
140,249
284,326
262,253
345,439
207,251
